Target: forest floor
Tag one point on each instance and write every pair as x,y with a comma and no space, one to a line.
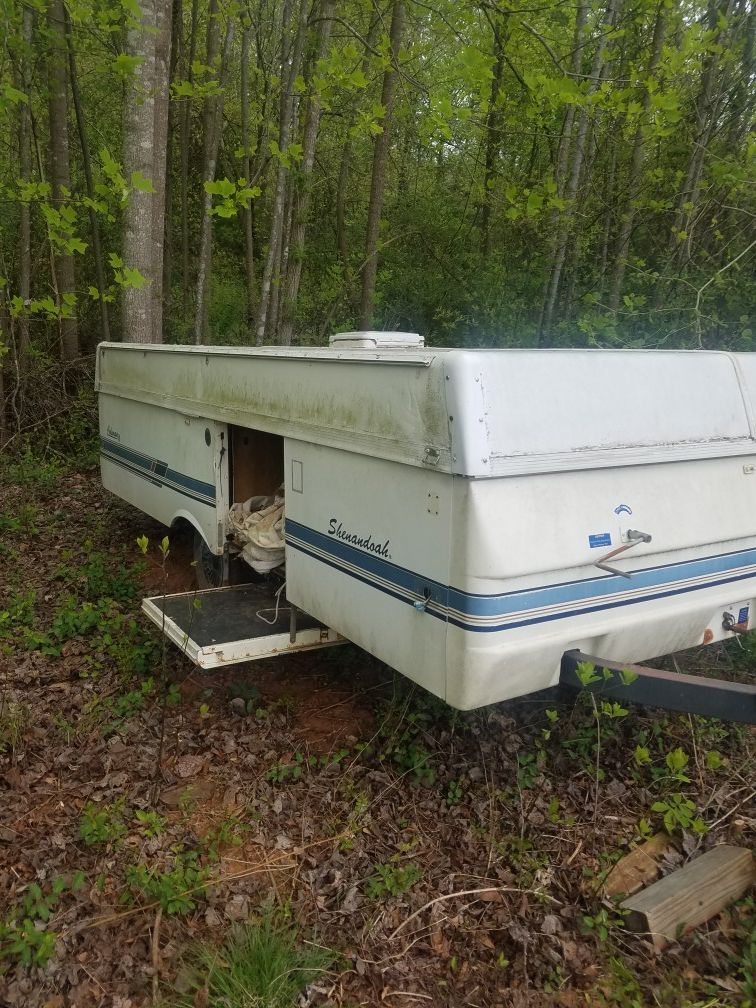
445,859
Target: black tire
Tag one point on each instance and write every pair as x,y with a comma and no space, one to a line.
209,567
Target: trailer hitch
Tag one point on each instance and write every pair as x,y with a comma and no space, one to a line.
652,687
730,624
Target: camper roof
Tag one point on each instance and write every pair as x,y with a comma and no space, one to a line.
470,412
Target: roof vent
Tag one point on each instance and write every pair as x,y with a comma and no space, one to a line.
374,340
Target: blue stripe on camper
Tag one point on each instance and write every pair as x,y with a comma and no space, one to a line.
156,472
524,607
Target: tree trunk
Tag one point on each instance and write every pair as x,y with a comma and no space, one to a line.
214,127
492,132
87,166
564,233
565,139
163,38
64,276
302,194
24,171
344,167
186,121
290,64
378,180
637,161
139,156
706,118
5,346
249,236
177,47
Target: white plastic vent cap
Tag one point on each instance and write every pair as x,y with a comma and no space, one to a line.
377,340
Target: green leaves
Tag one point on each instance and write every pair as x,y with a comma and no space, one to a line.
142,184
232,196
10,96
124,275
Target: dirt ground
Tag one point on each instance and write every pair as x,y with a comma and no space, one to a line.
449,859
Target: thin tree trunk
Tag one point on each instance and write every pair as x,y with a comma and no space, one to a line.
139,156
566,223
291,62
344,167
565,139
163,38
5,348
25,174
186,120
378,180
87,166
706,118
249,236
214,127
177,46
610,201
637,161
303,191
60,171
492,132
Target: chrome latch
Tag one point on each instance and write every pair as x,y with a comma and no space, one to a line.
634,538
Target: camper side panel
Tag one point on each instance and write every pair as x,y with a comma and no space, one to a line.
168,465
367,553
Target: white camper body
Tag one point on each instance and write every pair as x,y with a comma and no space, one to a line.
451,511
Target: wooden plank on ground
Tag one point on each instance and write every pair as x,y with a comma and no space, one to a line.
691,895
639,867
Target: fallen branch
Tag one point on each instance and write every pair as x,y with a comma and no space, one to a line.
156,956
469,892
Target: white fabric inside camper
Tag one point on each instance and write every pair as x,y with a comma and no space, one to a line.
257,526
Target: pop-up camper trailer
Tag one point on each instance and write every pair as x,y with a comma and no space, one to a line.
477,519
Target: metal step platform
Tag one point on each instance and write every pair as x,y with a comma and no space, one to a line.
223,626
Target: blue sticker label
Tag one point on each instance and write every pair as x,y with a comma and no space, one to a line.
600,539
743,614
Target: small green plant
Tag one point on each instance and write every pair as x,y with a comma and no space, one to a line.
173,695
414,759
676,761
454,793
175,889
713,760
555,815
679,812
14,717
392,879
529,769
24,937
102,824
227,833
265,964
128,704
35,472
151,823
601,923
282,773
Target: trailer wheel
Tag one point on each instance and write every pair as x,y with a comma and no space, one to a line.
209,567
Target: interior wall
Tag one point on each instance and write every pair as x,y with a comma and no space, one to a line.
257,463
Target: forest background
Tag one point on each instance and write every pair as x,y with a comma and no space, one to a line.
270,171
